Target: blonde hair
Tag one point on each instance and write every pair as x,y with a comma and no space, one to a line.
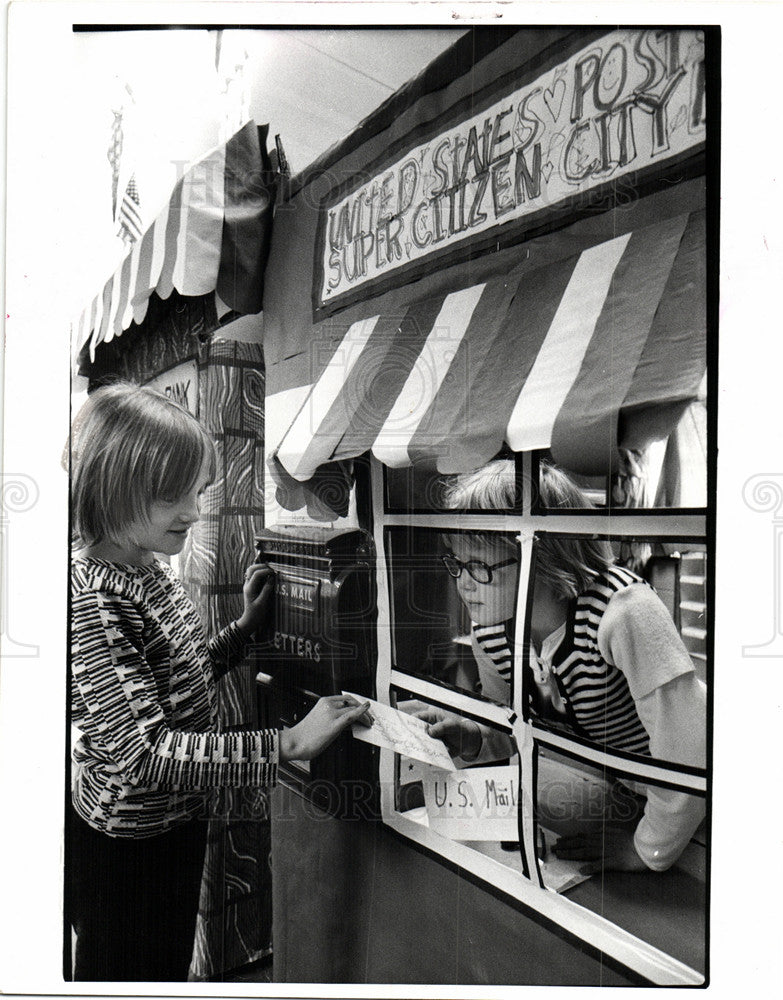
130,447
567,565
492,487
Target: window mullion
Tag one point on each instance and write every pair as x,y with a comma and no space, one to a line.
625,525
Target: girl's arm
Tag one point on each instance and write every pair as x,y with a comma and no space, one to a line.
123,713
638,635
676,727
469,741
227,648
120,710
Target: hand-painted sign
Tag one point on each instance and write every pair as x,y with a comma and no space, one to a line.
179,383
631,100
474,804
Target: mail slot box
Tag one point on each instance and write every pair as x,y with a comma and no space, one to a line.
321,640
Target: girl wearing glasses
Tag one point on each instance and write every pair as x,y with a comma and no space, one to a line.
606,662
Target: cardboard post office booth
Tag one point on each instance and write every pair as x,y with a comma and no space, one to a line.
507,261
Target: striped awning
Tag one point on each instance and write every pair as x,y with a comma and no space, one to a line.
212,236
557,358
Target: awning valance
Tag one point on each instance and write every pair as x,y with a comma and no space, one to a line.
211,236
556,358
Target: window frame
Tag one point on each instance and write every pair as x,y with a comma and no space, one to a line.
597,931
644,513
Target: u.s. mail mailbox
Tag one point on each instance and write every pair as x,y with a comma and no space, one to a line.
321,640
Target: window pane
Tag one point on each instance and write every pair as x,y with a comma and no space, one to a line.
587,817
618,644
476,804
671,473
422,489
454,630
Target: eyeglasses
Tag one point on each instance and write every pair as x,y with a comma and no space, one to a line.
480,571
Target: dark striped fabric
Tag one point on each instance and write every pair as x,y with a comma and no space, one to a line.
597,692
494,641
143,695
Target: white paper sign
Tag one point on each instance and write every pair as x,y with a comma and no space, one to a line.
477,803
402,733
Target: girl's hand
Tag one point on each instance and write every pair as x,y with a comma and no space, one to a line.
322,724
461,736
609,849
257,593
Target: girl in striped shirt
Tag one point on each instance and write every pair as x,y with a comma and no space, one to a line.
606,662
143,690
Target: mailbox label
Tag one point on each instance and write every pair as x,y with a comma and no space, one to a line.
299,645
297,593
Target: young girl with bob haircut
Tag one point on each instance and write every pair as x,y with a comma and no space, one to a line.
143,690
606,662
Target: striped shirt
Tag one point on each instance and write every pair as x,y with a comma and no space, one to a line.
627,682
594,694
595,691
492,640
143,690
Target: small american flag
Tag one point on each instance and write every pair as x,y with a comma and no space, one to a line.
129,218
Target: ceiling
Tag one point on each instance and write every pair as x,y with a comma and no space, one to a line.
314,86
182,92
